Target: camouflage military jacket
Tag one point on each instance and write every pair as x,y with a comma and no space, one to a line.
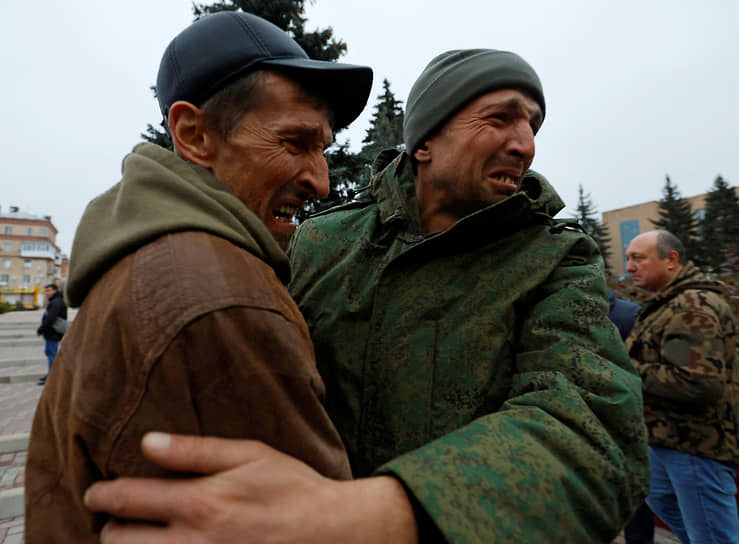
477,365
684,347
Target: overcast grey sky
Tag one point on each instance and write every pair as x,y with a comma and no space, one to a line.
635,89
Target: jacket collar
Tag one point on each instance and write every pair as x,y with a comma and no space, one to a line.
393,187
688,278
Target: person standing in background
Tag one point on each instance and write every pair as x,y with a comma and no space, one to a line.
640,530
684,347
55,308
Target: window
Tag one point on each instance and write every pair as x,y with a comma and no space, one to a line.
44,232
27,263
26,279
628,230
4,279
6,263
699,215
30,231
8,230
7,246
35,246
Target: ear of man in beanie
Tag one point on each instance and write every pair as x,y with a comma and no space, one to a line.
454,78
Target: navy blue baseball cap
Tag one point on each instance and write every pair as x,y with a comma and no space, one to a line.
218,49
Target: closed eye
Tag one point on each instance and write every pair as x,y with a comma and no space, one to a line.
292,145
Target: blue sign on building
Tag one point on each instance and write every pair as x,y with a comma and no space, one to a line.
629,231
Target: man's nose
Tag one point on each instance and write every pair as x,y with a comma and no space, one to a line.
630,266
521,141
315,177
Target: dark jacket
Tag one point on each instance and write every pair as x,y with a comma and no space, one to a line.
185,326
477,365
623,314
54,308
684,347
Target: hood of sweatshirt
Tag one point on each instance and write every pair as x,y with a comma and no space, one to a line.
161,193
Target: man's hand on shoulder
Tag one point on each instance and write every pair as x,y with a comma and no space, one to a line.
250,493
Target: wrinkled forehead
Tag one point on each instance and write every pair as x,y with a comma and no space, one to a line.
512,98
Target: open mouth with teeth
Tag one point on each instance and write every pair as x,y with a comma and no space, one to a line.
285,214
506,180
505,183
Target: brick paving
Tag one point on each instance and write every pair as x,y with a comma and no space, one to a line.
21,352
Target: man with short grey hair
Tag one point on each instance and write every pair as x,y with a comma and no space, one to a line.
684,346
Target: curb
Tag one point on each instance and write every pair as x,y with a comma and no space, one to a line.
12,443
22,378
11,503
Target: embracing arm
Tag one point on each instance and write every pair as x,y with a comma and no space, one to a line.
564,459
253,494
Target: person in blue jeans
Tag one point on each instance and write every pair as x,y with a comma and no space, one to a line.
55,308
694,496
683,345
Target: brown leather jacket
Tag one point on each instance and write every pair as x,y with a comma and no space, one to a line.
189,334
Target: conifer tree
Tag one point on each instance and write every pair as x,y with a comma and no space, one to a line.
386,126
719,228
587,217
676,216
286,14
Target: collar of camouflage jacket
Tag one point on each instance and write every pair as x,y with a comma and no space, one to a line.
688,278
393,187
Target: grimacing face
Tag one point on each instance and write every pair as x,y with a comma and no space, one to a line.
273,160
481,153
647,270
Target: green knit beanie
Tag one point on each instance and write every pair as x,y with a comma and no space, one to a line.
453,79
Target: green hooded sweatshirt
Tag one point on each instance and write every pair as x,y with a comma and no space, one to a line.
477,365
161,193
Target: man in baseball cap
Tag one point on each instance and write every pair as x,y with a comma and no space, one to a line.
179,273
472,371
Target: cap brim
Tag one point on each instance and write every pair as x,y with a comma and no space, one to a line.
346,87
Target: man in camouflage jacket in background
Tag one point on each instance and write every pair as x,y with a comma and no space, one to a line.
684,347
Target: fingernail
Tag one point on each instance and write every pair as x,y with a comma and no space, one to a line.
157,441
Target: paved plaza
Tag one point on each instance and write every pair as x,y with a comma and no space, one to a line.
22,362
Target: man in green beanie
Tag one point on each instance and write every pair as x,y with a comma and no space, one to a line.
464,340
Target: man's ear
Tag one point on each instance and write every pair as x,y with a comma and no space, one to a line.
422,153
192,135
673,259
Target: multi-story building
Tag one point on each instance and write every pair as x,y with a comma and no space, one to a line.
625,223
29,256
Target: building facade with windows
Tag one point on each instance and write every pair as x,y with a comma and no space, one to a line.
29,256
625,223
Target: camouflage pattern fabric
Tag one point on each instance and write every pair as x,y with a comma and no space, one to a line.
477,365
684,347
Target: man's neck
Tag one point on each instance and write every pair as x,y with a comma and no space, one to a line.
433,217
671,275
